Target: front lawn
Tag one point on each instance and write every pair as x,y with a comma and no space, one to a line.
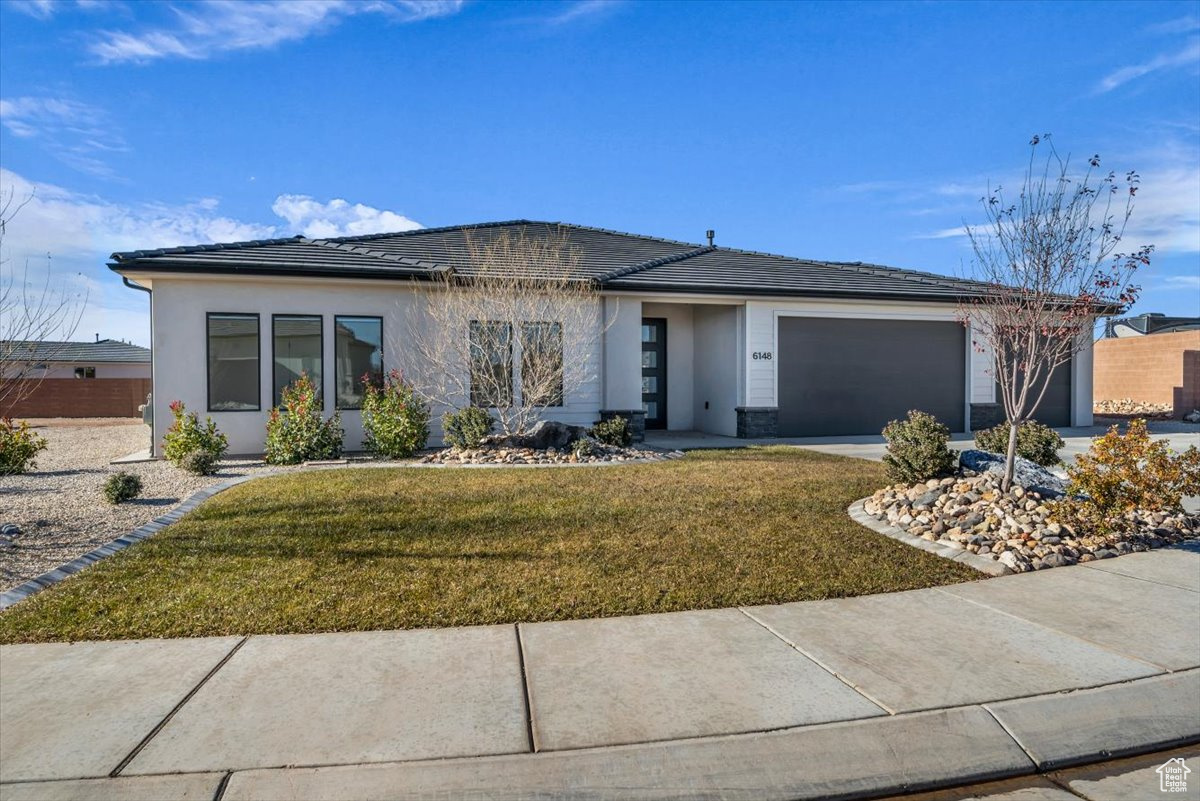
357,549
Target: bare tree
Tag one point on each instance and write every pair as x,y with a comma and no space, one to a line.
33,308
515,329
1051,259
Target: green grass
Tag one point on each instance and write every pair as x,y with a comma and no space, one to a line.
401,548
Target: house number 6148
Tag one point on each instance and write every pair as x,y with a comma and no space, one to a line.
762,355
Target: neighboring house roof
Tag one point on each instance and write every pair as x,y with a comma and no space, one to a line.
105,350
613,259
1150,323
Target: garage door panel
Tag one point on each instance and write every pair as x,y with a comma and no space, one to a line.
1055,407
847,376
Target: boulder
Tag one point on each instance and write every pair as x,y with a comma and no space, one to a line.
544,435
1029,475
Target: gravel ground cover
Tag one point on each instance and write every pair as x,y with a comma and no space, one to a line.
59,506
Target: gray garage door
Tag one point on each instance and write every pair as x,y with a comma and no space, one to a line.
853,376
1055,408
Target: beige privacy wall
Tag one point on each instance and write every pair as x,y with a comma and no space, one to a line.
1158,368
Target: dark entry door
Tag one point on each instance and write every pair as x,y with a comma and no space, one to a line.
851,376
654,371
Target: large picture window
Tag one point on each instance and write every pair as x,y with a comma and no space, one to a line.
233,371
358,355
542,364
491,364
298,341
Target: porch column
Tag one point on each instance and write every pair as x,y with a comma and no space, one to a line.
623,362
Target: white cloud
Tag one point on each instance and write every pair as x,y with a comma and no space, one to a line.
206,29
317,220
77,134
583,9
1177,25
72,234
39,9
1183,281
1188,56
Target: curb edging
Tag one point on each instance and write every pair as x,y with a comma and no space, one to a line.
991,567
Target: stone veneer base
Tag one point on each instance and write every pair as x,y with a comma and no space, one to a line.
757,422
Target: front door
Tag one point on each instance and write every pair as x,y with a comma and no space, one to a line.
654,371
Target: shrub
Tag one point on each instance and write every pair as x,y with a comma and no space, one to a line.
186,435
583,447
19,447
917,448
613,432
199,462
122,487
395,420
467,427
1123,472
1037,443
295,430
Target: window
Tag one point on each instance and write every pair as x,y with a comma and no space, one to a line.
542,364
233,374
297,350
85,372
491,364
358,354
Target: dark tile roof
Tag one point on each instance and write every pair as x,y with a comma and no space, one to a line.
106,350
614,259
1152,323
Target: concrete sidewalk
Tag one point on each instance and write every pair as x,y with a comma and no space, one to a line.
860,697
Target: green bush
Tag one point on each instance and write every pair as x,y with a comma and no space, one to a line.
584,447
395,420
295,430
1036,442
199,462
122,487
918,449
615,432
19,447
465,428
186,435
1123,472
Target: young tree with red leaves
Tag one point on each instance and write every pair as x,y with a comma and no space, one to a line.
1053,265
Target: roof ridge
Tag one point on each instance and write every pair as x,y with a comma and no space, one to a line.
418,231
621,272
407,261
142,254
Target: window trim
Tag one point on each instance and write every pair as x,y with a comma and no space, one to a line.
510,363
382,355
208,360
275,362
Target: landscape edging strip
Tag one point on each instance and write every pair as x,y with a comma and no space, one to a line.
983,564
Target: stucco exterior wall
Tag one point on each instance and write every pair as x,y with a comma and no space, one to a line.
715,380
179,311
680,350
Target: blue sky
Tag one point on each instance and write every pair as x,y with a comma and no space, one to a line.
839,131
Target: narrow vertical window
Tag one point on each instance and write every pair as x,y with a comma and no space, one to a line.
358,356
542,364
233,371
298,344
491,364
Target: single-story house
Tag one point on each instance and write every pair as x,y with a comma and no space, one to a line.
699,337
105,378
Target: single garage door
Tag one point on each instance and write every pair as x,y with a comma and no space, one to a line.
1055,408
852,376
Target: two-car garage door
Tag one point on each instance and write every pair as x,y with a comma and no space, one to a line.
851,376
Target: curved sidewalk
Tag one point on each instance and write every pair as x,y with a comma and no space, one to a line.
858,697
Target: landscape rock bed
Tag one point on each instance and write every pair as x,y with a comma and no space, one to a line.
971,513
548,456
1127,407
